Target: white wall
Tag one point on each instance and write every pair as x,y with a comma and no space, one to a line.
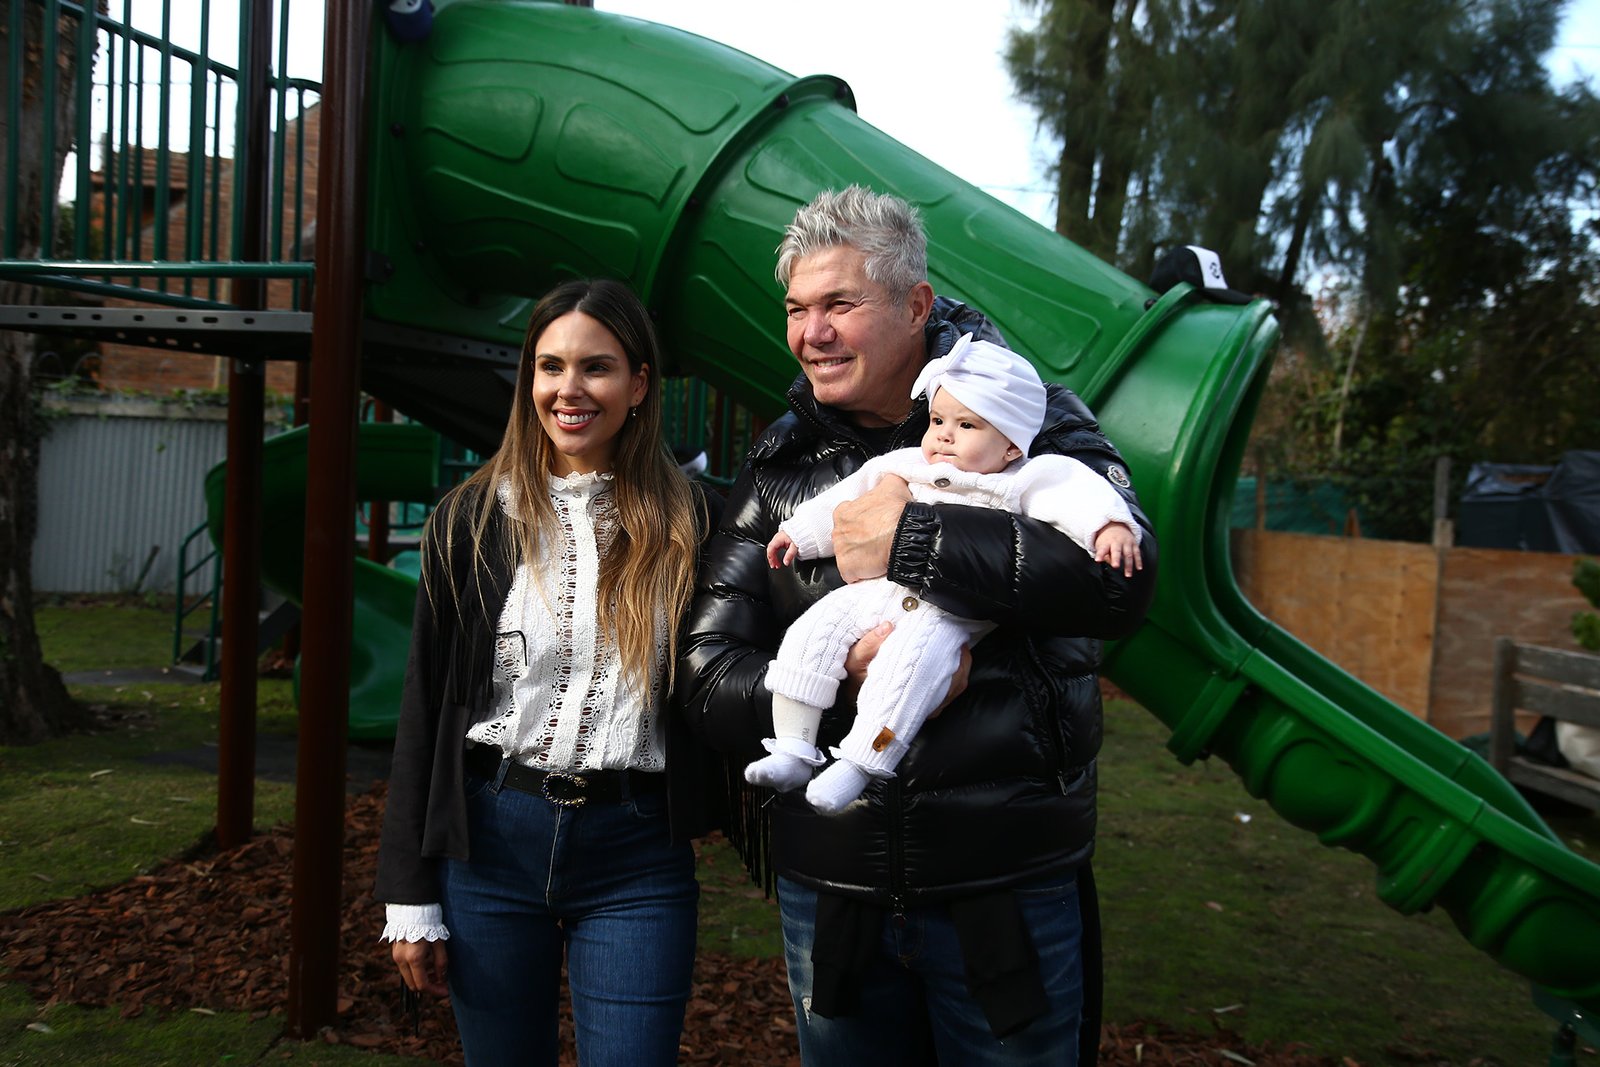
117,479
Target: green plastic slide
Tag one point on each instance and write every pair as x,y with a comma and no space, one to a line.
526,142
395,462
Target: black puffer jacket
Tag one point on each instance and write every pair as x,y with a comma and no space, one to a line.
1001,786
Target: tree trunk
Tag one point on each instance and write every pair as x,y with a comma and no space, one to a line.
1309,199
1345,380
1084,105
34,703
1127,114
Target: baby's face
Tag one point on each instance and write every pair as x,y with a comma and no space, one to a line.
959,437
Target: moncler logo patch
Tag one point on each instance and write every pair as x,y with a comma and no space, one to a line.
1118,476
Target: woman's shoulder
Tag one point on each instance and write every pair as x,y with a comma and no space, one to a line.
462,495
455,517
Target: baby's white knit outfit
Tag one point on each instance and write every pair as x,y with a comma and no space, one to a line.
913,668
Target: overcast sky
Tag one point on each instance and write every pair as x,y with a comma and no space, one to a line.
937,85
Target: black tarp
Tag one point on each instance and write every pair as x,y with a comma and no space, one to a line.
1535,508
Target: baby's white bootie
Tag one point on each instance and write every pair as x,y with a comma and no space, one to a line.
788,767
832,790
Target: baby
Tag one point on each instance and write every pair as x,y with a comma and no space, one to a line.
985,405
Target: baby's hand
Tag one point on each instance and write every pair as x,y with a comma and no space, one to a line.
1116,545
781,550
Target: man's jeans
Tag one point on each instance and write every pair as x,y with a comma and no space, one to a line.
601,879
915,1007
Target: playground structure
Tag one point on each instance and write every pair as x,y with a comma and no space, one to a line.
526,142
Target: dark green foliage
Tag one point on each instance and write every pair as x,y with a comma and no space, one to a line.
1402,180
1586,624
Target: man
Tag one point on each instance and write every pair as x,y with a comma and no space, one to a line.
938,916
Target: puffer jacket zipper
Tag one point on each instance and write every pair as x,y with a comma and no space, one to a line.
1052,721
897,871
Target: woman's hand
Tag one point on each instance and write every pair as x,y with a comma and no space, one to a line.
422,965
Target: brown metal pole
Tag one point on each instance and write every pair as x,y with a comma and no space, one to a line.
241,605
302,415
330,524
241,519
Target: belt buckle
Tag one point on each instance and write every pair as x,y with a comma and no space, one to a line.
564,790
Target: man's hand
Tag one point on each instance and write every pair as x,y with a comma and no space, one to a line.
863,530
958,682
861,655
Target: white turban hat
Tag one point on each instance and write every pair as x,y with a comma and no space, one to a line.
999,386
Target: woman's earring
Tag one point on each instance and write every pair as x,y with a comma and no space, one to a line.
633,412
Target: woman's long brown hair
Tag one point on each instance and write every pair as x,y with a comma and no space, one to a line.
647,576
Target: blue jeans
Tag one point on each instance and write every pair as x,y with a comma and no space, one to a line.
915,1007
601,881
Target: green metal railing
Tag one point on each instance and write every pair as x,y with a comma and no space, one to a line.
150,213
211,596
697,416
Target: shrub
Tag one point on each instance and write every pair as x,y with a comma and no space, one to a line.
1586,624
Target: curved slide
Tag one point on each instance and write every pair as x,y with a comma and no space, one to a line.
527,142
395,462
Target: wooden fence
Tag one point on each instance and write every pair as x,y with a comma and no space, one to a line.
1415,623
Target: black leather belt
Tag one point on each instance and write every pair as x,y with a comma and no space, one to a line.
567,789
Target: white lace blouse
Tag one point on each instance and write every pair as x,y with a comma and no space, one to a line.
561,699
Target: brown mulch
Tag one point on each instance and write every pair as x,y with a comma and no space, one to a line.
211,933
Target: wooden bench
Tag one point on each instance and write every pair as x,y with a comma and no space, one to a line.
1546,681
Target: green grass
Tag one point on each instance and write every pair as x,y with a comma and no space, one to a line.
736,918
67,1034
1217,913
71,1036
85,635
85,812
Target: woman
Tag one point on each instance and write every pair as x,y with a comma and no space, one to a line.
540,800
